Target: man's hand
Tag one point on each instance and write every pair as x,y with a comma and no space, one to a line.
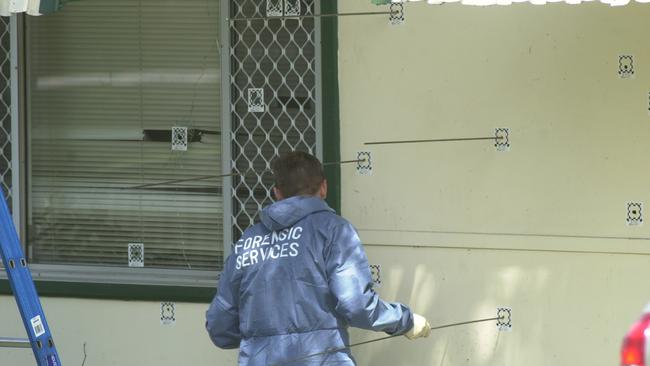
421,327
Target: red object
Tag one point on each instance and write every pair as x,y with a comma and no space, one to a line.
634,343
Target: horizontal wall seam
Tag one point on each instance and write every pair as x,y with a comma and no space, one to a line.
432,246
523,242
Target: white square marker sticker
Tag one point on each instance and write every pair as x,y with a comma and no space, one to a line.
37,326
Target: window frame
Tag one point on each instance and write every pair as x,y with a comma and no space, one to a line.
226,123
152,284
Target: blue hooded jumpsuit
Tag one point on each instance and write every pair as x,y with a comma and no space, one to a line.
292,286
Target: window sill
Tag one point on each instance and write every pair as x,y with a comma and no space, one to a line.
147,284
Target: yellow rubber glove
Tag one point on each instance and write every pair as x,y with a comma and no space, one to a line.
421,328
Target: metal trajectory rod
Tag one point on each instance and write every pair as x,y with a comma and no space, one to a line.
344,162
313,16
333,350
432,140
182,180
149,185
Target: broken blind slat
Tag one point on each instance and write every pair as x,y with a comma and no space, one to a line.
108,81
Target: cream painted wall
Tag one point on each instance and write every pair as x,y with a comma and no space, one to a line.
460,228
568,308
579,152
117,333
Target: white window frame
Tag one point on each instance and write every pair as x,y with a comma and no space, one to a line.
226,127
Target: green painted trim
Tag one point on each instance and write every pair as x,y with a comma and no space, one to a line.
331,116
109,291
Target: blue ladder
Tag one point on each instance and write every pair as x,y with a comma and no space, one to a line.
22,285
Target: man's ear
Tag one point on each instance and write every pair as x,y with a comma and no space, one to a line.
322,192
278,194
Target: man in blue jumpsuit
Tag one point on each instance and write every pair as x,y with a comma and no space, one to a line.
297,280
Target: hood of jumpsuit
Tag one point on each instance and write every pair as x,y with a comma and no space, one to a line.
287,212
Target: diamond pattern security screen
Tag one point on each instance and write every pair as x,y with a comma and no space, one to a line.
273,96
5,103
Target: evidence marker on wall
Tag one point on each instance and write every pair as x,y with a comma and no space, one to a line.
375,271
396,16
364,165
167,313
502,139
626,66
634,215
504,323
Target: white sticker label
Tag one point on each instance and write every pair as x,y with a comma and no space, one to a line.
626,66
167,313
37,325
364,163
502,139
634,214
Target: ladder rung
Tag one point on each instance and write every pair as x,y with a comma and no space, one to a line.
14,343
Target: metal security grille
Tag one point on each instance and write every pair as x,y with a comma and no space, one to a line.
5,103
273,68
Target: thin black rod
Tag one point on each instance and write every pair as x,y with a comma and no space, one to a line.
148,185
183,180
467,322
431,140
333,350
313,16
534,235
344,162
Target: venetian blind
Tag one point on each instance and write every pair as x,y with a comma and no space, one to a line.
108,79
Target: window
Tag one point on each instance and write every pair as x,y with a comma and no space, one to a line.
108,81
125,136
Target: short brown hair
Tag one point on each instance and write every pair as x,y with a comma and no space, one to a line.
297,173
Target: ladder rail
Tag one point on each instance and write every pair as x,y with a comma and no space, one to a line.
22,286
